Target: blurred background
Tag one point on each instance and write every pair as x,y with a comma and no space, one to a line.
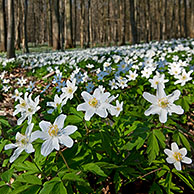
64,24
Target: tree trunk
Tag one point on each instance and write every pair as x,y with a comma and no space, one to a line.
133,23
75,24
10,35
56,25
62,21
82,24
25,37
3,31
18,24
68,26
185,19
50,24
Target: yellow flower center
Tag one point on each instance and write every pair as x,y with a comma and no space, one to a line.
93,102
156,82
163,102
30,110
118,108
184,77
70,90
177,156
53,130
23,104
132,76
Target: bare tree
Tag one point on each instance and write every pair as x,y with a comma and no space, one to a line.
82,14
56,25
3,31
10,35
25,37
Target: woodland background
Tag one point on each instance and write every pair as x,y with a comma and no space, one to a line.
64,24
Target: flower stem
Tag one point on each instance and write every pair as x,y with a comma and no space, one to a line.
64,160
38,167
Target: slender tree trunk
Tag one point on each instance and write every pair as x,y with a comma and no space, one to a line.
75,24
133,23
185,19
62,22
50,24
10,35
68,31
25,37
82,24
18,25
3,30
56,26
90,24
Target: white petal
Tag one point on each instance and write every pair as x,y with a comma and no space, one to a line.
160,91
152,110
183,152
186,160
44,125
29,129
176,109
89,113
29,119
47,147
50,111
97,93
177,165
150,98
39,134
21,119
163,116
86,96
55,143
66,140
174,147
174,96
29,148
168,152
10,146
170,160
82,107
59,121
101,112
68,130
16,153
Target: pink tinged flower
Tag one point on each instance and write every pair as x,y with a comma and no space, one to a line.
54,135
176,156
94,104
23,142
162,104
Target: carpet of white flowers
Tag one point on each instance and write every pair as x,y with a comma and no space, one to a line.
101,120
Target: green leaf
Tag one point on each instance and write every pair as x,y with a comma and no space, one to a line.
185,141
5,122
75,112
49,185
94,169
5,189
6,176
155,188
153,147
31,179
59,188
21,189
160,136
33,189
184,179
168,182
72,177
73,119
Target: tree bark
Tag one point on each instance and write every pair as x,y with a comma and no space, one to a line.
3,30
11,34
68,26
82,24
56,25
133,23
25,36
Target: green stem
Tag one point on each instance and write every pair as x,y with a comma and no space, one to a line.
64,160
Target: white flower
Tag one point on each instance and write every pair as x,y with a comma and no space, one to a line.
132,75
17,95
69,90
94,104
115,110
21,81
183,78
6,88
146,72
54,134
162,104
158,78
89,66
176,156
122,82
27,107
57,101
23,142
113,84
